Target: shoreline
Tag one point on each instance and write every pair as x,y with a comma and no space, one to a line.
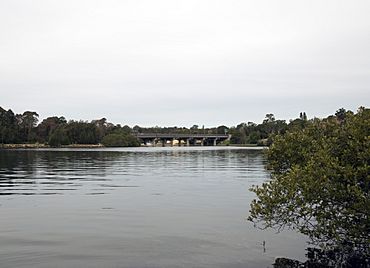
42,146
94,146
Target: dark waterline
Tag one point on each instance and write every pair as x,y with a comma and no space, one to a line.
138,207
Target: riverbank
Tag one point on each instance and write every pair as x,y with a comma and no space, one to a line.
42,145
246,145
92,146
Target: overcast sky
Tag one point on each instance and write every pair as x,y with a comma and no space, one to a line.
187,62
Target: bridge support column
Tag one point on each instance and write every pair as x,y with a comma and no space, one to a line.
153,139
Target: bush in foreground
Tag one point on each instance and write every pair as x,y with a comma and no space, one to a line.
320,182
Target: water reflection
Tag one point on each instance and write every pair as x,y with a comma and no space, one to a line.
45,172
52,172
145,207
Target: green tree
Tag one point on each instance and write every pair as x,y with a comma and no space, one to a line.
47,126
341,114
120,139
238,134
222,130
253,137
8,127
59,137
303,116
80,132
269,118
320,182
27,122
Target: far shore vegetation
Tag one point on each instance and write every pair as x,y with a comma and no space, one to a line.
26,131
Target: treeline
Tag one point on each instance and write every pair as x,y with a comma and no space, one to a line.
56,131
262,134
244,133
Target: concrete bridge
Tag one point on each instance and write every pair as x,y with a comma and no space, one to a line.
175,139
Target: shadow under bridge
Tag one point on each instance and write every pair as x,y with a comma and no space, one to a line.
175,139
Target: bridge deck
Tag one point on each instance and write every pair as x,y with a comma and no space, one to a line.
180,136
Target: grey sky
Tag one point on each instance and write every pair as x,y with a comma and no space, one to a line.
184,62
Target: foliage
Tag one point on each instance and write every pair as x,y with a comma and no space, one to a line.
80,132
21,128
120,140
320,181
27,122
8,126
328,258
47,126
58,137
251,133
56,131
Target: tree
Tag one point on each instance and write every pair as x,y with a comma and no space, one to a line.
27,122
238,134
136,129
8,126
101,126
341,114
296,124
58,137
47,126
126,129
303,116
82,132
269,118
320,182
120,139
222,130
254,137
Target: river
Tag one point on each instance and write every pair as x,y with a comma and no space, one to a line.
138,207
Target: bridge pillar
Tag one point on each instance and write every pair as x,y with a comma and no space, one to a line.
153,139
151,142
148,141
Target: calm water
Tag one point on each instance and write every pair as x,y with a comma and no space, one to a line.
143,207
